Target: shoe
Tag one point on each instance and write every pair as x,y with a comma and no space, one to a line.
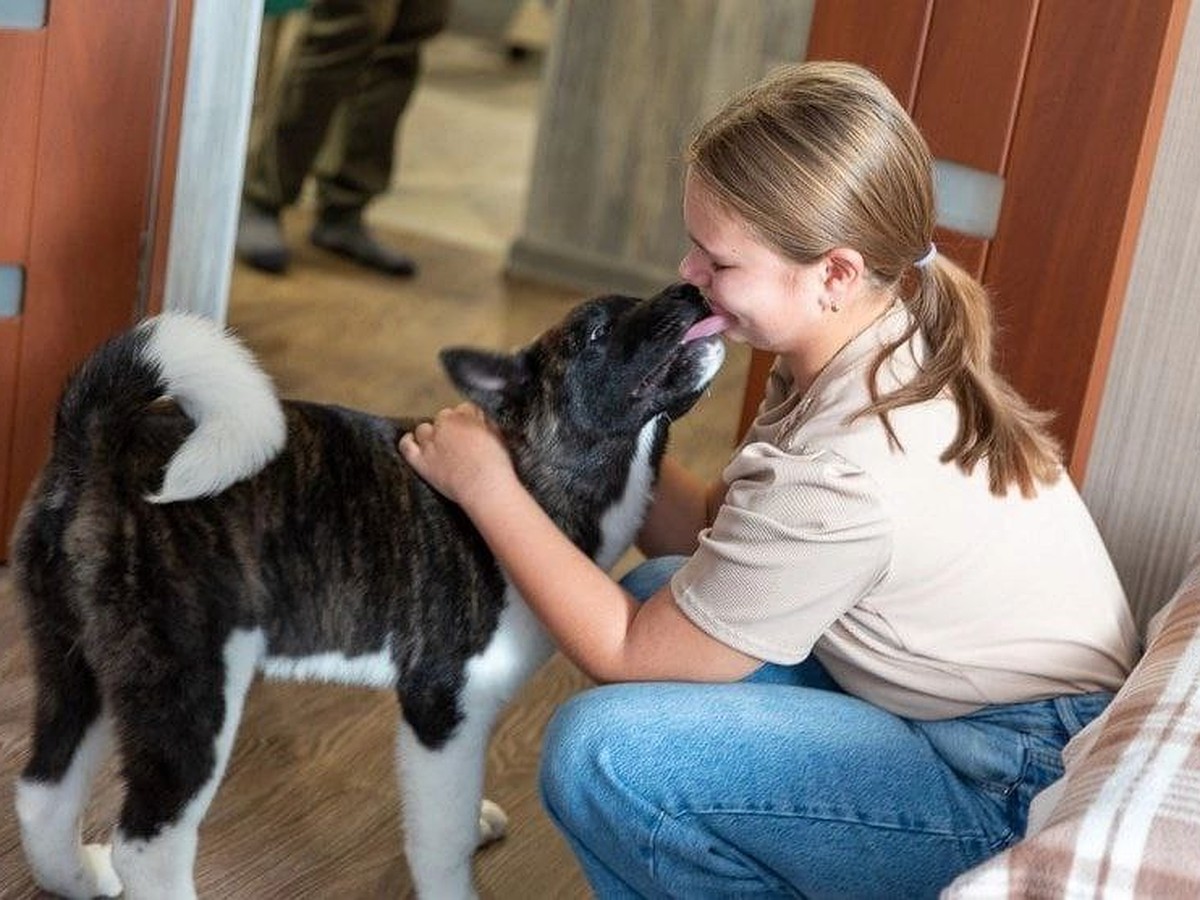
260,239
348,237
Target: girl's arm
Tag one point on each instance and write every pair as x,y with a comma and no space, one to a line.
599,627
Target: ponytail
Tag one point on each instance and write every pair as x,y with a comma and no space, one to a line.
996,425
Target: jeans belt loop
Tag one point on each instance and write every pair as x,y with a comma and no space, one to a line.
1067,715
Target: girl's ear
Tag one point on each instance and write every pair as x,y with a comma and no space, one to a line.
844,268
485,378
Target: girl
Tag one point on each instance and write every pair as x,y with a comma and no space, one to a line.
899,601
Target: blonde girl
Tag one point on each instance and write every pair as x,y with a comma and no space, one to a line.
850,663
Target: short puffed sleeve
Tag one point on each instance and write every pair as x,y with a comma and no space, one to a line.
803,535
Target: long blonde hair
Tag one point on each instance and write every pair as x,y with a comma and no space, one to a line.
821,155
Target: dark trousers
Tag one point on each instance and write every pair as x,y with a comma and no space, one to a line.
333,109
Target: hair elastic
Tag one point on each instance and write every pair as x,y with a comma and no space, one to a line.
928,257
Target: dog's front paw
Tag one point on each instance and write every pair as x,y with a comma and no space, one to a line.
98,871
91,876
493,822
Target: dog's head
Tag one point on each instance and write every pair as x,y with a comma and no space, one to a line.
612,365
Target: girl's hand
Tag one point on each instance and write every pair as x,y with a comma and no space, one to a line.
459,453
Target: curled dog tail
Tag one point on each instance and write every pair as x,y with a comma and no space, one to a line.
239,422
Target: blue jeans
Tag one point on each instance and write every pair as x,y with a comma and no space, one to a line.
784,785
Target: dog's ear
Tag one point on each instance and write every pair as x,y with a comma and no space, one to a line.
484,378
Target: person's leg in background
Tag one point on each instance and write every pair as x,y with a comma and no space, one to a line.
358,155
319,68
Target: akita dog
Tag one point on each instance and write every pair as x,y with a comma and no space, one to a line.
190,530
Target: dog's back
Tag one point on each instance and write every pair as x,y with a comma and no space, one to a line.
325,540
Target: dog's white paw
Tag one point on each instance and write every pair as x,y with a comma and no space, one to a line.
98,871
92,876
493,822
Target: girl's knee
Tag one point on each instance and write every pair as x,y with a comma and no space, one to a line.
584,744
568,751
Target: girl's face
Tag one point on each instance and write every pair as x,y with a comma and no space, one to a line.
774,302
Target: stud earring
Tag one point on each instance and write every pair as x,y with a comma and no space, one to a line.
833,307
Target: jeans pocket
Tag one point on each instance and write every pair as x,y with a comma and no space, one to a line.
1043,769
994,763
1006,755
994,760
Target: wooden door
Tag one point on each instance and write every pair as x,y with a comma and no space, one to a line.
1063,100
89,106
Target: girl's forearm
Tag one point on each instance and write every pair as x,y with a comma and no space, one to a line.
586,613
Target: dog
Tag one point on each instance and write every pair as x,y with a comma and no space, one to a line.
191,530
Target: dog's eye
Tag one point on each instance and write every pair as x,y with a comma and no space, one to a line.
598,332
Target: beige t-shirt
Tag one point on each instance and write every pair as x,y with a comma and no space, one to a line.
916,587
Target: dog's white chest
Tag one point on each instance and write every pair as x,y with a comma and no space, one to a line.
620,523
517,648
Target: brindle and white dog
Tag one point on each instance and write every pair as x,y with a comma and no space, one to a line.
171,549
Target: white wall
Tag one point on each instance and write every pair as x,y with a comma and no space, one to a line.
1143,475
212,152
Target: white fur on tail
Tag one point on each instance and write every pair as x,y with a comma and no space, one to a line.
240,425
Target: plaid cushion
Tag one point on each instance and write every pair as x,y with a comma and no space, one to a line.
1124,820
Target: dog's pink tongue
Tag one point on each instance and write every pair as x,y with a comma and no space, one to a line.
714,324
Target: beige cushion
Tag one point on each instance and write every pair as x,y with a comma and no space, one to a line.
1124,821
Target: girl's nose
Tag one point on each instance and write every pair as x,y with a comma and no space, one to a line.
693,270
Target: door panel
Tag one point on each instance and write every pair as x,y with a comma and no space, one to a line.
1091,111
22,59
970,79
93,87
886,36
21,62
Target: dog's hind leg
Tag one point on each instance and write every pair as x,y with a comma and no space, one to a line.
71,740
176,735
